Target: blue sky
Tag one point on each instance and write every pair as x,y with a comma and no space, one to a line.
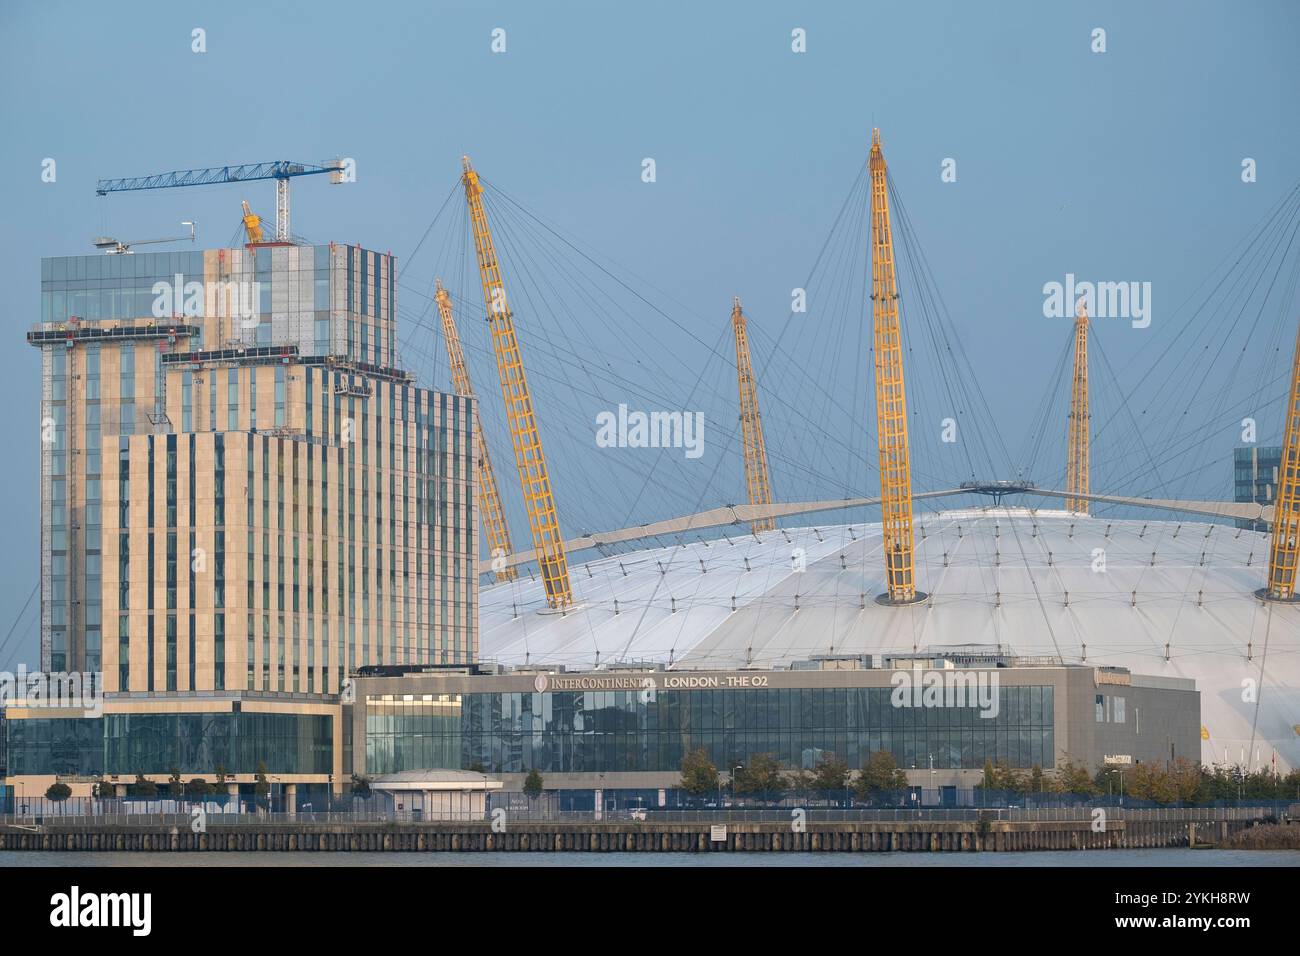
1124,165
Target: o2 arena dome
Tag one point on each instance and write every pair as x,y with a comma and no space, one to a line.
1162,598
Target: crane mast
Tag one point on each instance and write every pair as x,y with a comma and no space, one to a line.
489,498
891,398
1079,460
751,425
533,475
1284,551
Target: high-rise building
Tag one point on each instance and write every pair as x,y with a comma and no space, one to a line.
243,497
1254,477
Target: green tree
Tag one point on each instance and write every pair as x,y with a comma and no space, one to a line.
880,773
699,775
1073,778
989,782
361,787
143,787
104,790
831,774
761,775
58,792
174,785
1036,779
261,786
533,784
221,775
198,788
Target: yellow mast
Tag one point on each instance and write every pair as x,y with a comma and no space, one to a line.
533,475
489,499
751,425
1284,552
1078,465
891,398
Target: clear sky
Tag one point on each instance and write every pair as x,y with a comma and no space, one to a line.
1122,165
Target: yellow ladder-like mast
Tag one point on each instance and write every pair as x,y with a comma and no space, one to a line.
751,425
489,498
891,398
533,475
1284,552
1079,456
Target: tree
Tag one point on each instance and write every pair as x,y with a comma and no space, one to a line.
198,788
762,775
104,790
880,773
361,787
261,786
988,783
1073,778
58,792
533,784
699,775
1036,779
174,785
143,787
221,775
831,774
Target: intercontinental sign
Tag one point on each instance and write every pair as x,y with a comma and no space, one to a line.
553,682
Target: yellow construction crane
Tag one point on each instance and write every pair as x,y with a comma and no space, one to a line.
533,476
489,499
751,425
1284,552
891,397
252,224
1079,458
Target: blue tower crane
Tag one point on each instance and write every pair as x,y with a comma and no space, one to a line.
280,170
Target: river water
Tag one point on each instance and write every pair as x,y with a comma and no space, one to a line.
1077,858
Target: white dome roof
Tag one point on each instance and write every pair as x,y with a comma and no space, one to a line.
1161,598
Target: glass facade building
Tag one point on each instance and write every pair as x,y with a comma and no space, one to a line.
194,743
240,489
198,743
1254,479
629,731
54,746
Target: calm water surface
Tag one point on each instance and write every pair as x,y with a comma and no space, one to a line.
1079,858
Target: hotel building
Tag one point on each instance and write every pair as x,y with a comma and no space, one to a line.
244,499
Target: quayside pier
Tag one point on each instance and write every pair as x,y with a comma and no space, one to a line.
959,832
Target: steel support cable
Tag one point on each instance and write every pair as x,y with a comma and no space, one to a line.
919,306
1233,284
948,329
539,307
1169,442
1251,236
1045,420
1244,297
524,211
924,305
17,619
